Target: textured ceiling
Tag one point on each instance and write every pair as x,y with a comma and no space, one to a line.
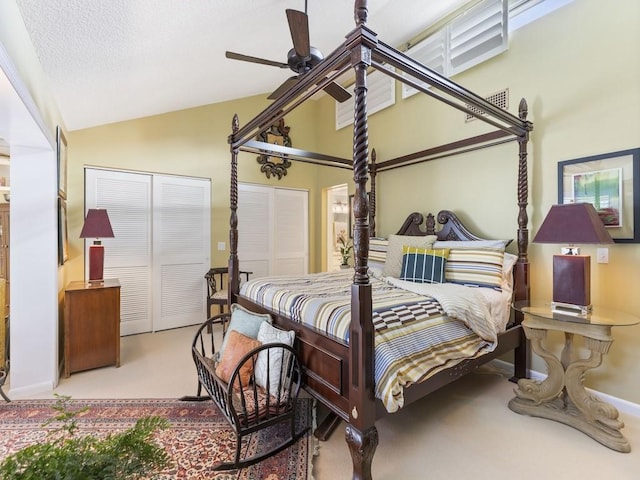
115,60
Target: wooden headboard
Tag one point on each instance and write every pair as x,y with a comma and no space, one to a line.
451,227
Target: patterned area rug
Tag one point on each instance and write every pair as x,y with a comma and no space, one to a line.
199,436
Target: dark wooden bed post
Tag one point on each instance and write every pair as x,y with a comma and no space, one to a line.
361,433
521,360
372,194
234,269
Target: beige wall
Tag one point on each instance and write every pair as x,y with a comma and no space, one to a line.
194,143
578,69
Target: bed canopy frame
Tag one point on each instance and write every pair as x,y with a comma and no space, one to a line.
362,50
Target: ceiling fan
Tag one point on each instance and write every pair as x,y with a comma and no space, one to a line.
301,58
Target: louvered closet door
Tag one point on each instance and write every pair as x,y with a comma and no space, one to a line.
127,199
181,249
291,232
273,226
255,229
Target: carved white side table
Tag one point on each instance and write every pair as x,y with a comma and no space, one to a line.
562,396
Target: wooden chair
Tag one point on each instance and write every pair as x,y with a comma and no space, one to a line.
248,407
217,293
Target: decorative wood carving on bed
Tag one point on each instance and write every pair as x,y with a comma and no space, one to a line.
344,379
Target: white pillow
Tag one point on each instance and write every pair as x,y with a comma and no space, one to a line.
507,271
245,322
471,244
269,362
393,265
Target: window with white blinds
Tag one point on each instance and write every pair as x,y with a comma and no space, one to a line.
477,35
431,52
381,93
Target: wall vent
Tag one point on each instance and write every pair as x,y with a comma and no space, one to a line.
499,99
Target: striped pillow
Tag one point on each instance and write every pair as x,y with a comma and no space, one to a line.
475,267
423,265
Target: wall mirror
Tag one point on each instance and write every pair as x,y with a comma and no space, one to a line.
277,134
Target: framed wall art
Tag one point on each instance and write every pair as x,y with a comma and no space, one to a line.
62,162
611,182
63,241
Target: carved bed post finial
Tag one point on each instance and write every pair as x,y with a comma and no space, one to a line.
360,12
523,109
372,195
234,270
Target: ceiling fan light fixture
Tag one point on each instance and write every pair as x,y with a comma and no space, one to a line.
301,59
303,65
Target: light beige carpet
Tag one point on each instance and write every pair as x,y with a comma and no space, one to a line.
464,431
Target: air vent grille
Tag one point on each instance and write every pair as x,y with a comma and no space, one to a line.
499,99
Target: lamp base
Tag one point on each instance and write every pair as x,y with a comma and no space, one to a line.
571,309
96,263
572,281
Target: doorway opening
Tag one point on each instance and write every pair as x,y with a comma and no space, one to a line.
337,223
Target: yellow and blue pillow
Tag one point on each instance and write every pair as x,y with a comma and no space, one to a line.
475,267
423,265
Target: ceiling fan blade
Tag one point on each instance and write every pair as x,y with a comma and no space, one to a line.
299,27
247,58
288,83
337,92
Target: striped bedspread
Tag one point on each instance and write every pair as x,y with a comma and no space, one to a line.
416,335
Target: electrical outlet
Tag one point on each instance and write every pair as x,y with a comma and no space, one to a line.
603,255
221,246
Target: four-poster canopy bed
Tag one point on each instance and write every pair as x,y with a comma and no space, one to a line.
341,373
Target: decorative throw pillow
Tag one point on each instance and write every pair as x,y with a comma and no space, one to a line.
423,265
238,345
393,264
471,244
269,363
507,271
475,267
244,321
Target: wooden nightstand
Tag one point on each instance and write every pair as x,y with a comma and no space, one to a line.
91,325
562,396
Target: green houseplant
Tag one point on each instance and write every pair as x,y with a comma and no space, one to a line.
130,454
346,246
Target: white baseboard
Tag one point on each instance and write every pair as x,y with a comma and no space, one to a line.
623,406
28,391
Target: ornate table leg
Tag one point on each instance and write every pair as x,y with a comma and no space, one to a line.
562,396
594,417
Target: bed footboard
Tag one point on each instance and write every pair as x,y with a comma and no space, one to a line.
324,362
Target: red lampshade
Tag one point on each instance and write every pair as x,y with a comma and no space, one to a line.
573,223
96,225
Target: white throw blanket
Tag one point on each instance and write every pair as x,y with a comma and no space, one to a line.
459,302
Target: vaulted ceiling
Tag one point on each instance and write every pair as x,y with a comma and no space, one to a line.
115,60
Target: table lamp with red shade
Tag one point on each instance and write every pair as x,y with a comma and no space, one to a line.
572,224
96,226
